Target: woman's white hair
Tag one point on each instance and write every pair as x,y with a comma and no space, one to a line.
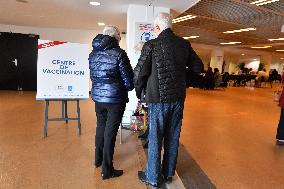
163,20
112,31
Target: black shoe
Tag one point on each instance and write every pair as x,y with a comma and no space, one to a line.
146,145
143,136
142,178
279,142
115,173
98,164
168,180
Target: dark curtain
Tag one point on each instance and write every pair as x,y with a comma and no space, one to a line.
18,61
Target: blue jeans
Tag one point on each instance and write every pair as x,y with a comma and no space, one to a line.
165,121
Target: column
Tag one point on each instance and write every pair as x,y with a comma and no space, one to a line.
140,20
266,60
217,57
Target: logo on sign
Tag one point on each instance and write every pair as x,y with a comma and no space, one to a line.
146,36
70,89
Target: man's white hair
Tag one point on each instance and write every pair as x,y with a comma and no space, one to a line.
163,20
112,31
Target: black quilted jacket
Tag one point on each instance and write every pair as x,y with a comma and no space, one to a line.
162,68
110,70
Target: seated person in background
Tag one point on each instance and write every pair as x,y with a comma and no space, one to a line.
239,72
217,78
209,79
225,78
274,75
262,76
251,71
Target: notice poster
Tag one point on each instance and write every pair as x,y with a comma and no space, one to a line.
62,70
143,32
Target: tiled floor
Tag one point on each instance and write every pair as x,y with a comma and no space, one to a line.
63,160
229,133
231,136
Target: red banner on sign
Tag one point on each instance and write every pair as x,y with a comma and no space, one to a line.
146,27
50,44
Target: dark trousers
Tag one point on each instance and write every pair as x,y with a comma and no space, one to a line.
280,129
109,117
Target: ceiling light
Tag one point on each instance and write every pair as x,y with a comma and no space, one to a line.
263,2
101,24
191,37
240,30
243,54
267,2
281,58
183,18
229,32
259,1
278,39
94,3
251,29
280,50
264,47
230,43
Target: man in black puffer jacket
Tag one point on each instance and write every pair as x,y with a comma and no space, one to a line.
162,69
112,78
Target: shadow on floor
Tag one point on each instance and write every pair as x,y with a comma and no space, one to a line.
190,173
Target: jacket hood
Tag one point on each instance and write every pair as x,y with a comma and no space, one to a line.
103,42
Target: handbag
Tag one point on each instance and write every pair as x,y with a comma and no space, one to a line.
140,118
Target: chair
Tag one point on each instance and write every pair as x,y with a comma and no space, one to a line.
260,81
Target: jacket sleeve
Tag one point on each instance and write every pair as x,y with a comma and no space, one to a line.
142,70
126,71
194,63
91,65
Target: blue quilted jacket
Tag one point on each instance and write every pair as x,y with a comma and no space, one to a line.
111,72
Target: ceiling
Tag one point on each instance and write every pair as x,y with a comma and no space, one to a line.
217,16
75,14
213,18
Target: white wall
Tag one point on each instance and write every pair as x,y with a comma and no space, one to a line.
253,65
278,66
69,35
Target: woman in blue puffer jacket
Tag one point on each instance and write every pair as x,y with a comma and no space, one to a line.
112,78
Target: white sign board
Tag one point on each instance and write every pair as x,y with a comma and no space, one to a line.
62,70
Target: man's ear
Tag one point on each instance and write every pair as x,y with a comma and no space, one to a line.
158,28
